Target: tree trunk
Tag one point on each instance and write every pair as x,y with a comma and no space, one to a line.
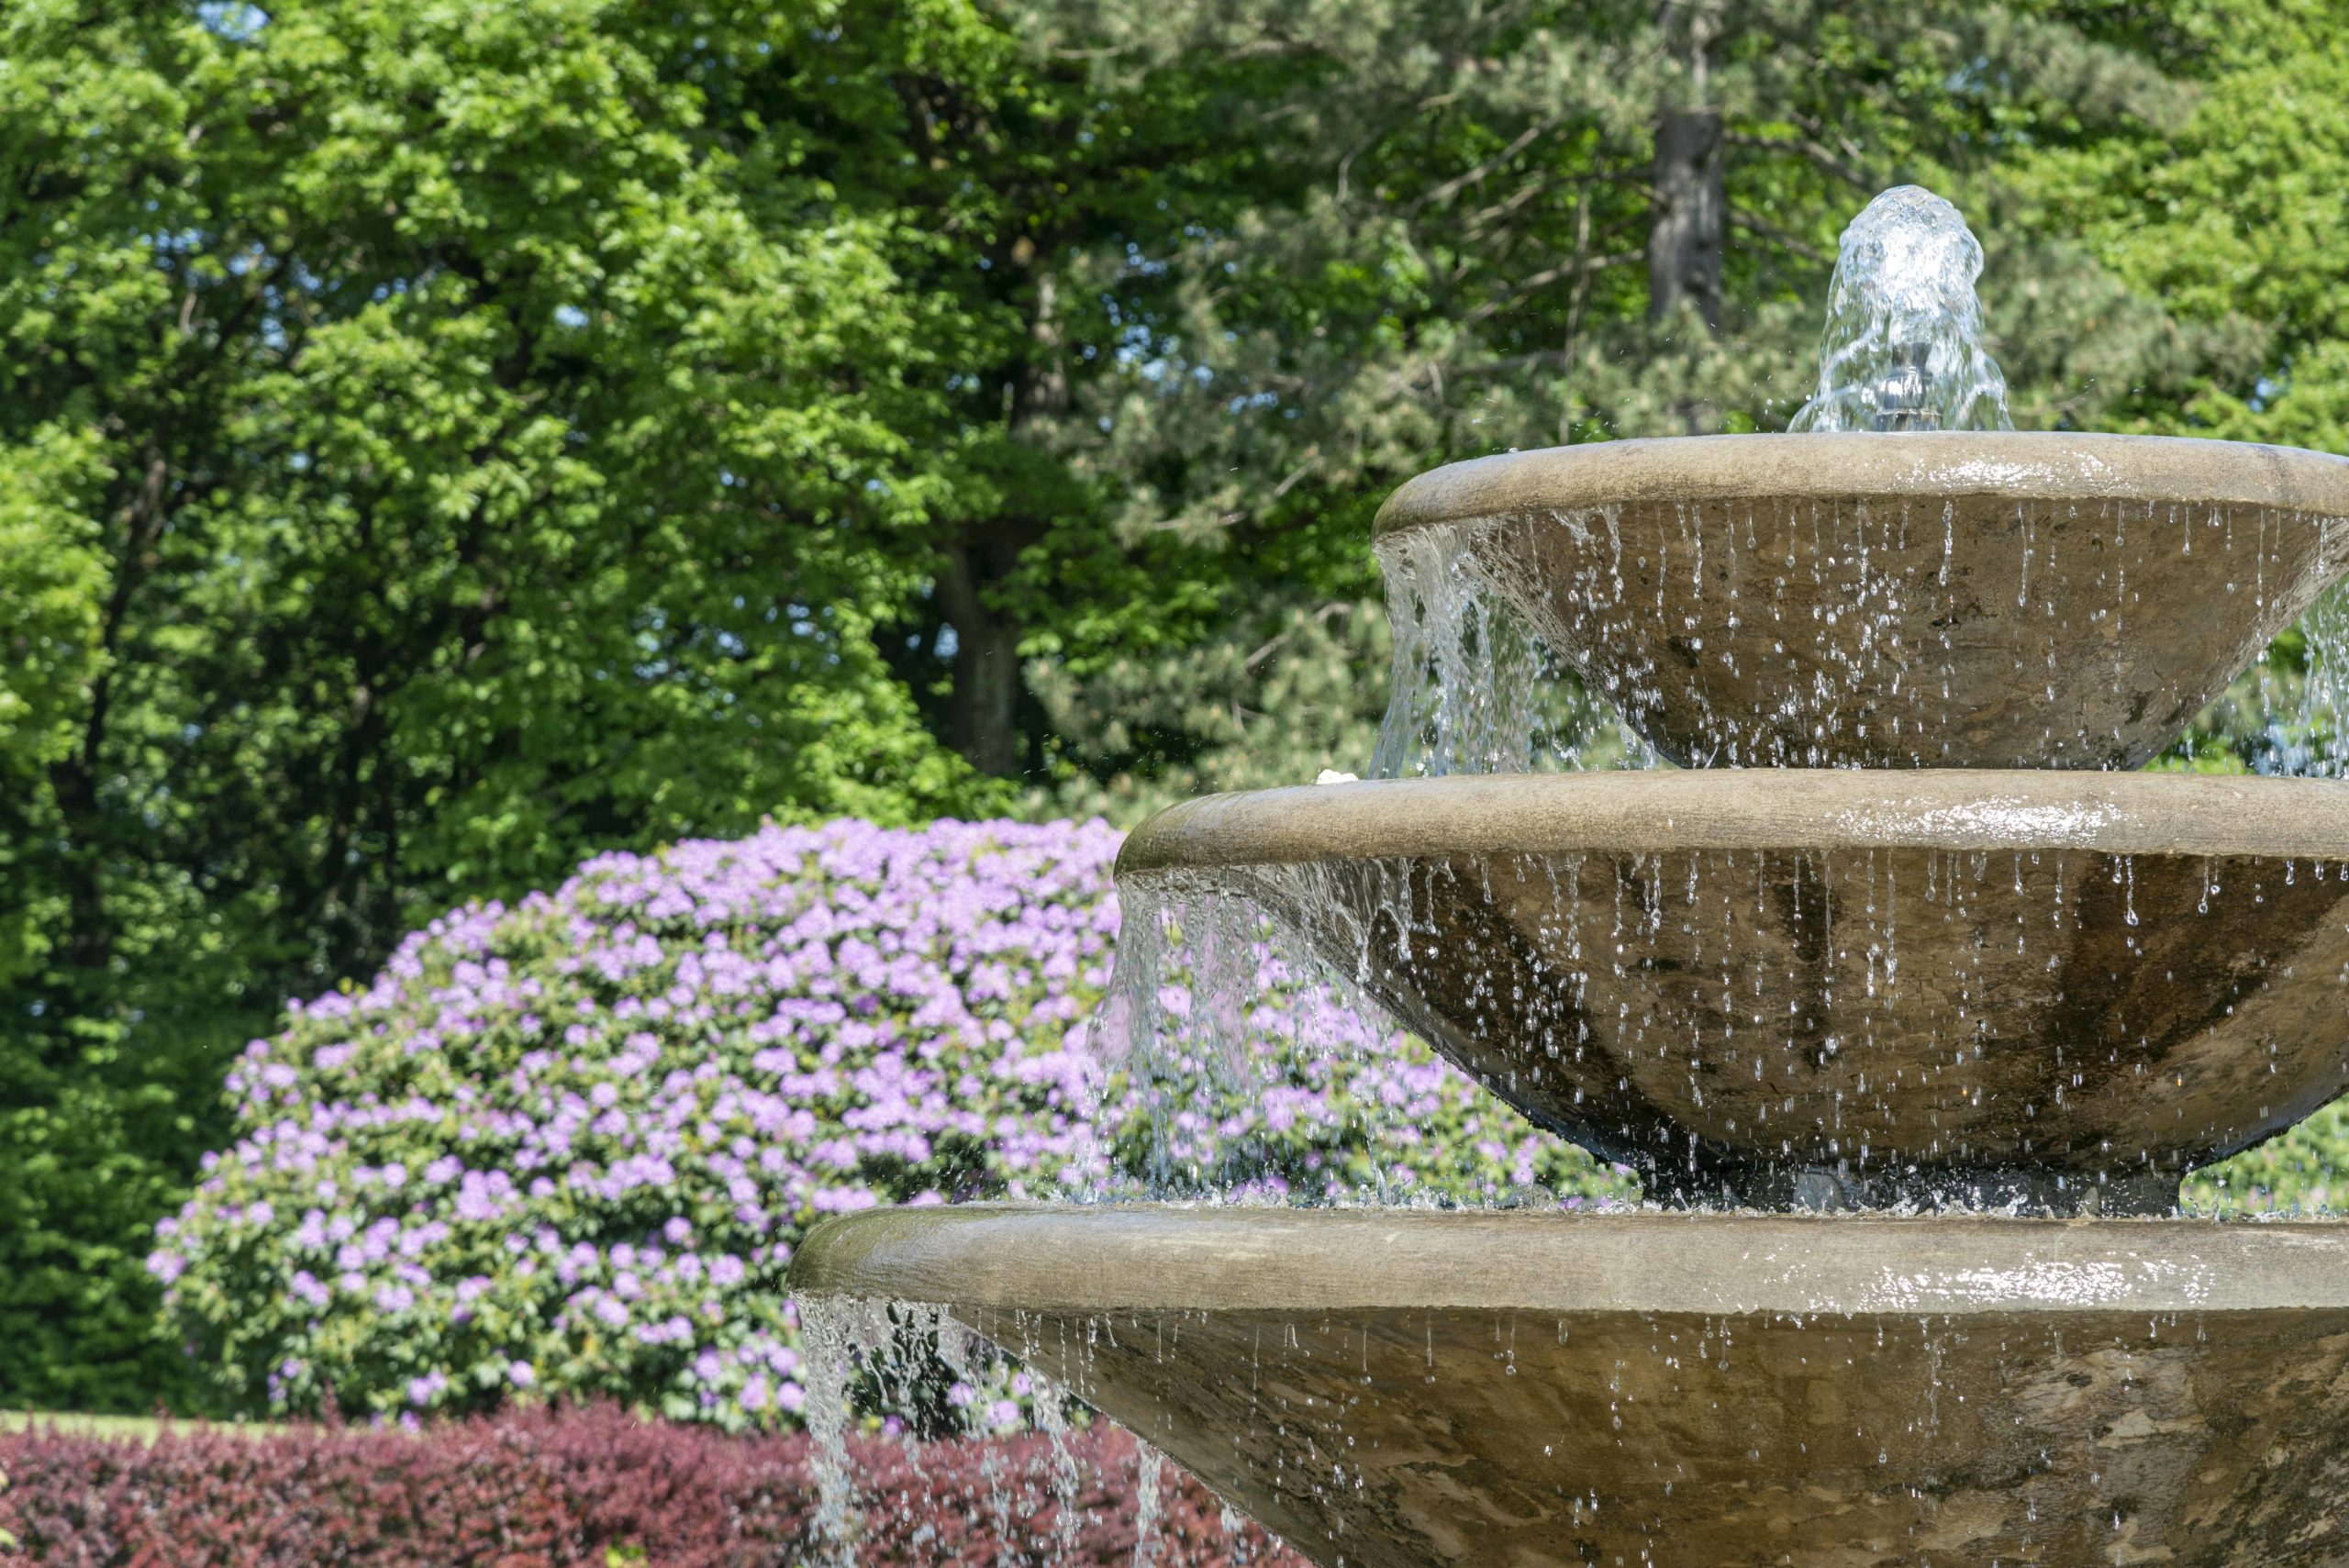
1685,234
1684,237
88,940
983,709
982,715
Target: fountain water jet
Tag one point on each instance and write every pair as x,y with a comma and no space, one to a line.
1902,350
2032,996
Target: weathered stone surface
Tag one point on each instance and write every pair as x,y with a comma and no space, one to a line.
1932,599
2055,991
1390,1388
1834,987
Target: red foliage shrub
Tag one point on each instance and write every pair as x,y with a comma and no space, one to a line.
586,1488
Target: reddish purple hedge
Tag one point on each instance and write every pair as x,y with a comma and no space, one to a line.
577,1489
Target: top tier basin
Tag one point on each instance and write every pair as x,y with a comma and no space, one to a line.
1941,599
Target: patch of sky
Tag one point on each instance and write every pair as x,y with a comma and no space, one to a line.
232,20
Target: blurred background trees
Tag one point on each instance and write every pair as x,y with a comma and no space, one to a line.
437,442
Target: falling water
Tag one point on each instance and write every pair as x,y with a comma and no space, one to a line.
1213,977
1476,689
833,1331
1902,350
937,1379
1150,1468
2289,714
897,1490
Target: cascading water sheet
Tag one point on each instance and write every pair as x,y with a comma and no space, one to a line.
1475,689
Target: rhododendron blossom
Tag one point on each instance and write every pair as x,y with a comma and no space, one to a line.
567,1147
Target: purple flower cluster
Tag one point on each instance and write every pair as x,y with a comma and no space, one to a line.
567,1148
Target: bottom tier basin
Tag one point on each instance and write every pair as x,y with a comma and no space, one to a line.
1398,1388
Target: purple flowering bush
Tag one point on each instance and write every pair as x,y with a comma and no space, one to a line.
565,1149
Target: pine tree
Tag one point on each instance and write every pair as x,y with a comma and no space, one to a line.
1514,225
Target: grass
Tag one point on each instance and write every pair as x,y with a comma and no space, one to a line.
123,1428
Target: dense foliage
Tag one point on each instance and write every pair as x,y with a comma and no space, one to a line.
590,1488
565,1149
440,442
449,437
2228,216
2306,1171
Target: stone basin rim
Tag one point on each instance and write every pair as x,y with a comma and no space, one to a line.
2046,465
1634,811
1165,1257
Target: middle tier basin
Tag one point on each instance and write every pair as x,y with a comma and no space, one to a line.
1831,988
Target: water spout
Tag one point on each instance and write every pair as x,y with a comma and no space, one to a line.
1904,397
1902,348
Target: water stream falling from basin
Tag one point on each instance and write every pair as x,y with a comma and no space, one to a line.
2285,717
1475,687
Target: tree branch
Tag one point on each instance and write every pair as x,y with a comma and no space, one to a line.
1549,275
1809,151
1477,175
1780,237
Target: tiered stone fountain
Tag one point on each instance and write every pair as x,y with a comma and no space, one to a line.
1910,1044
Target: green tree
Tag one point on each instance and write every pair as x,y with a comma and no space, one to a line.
1518,224
439,442
433,443
2235,220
